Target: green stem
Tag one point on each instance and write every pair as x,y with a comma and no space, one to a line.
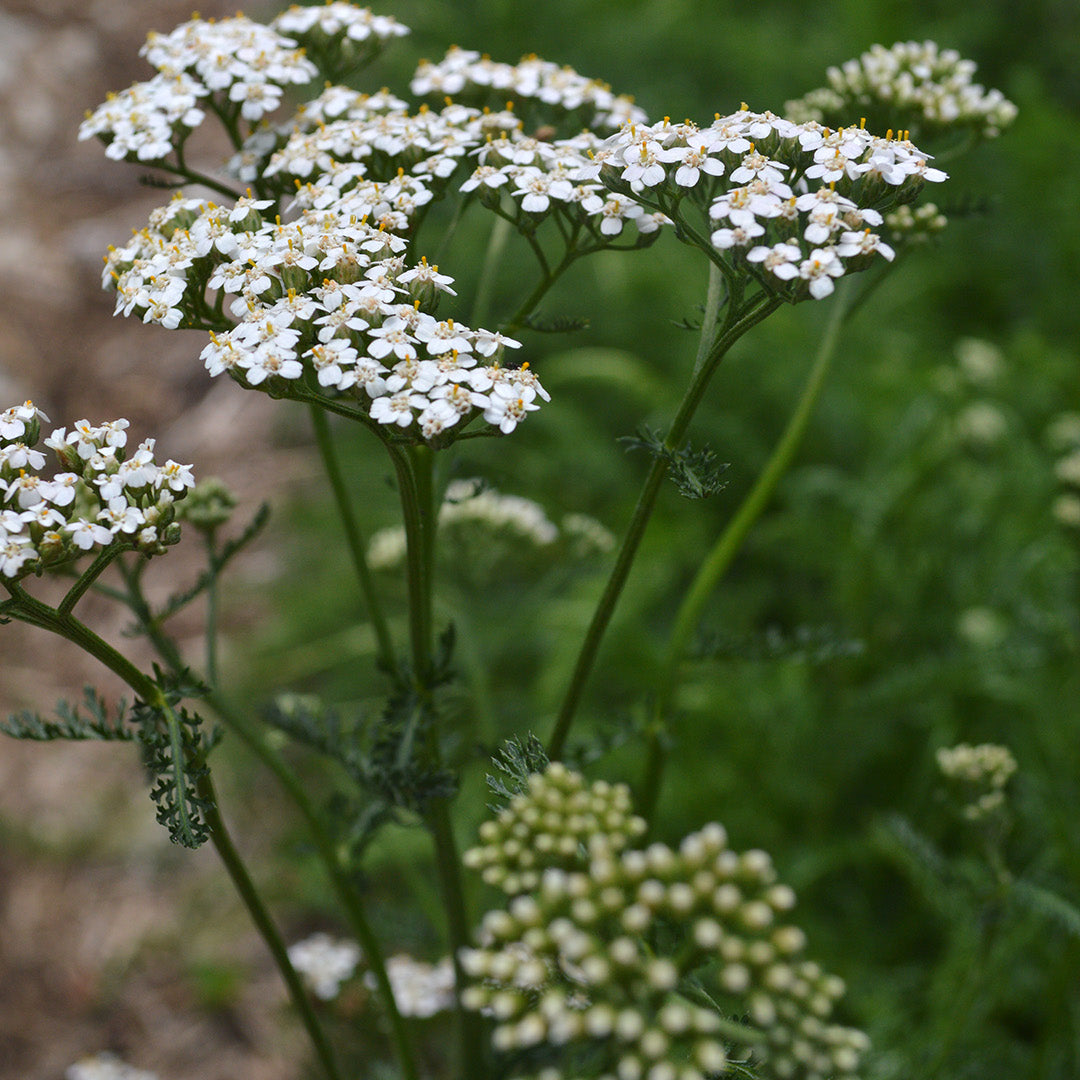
211,613
500,234
416,483
67,626
415,518
335,868
353,537
243,884
754,312
727,546
89,576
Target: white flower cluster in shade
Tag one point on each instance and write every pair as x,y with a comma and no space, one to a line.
469,503
465,73
325,963
326,300
242,67
797,204
980,774
101,495
420,989
597,955
910,77
105,1066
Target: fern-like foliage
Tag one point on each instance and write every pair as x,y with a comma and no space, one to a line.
175,749
390,758
94,722
696,473
516,761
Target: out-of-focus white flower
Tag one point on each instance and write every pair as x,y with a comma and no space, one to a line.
105,1066
325,963
980,774
420,989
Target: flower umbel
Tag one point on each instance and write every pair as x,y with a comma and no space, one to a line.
634,964
101,496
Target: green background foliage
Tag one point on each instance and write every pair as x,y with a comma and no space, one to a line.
907,589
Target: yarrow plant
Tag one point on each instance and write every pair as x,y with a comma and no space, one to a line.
307,266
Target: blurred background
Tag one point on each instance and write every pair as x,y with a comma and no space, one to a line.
910,586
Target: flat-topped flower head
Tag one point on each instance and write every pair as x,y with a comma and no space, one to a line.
99,497
769,185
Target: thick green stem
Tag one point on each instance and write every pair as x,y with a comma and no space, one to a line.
414,468
727,546
417,489
353,537
754,312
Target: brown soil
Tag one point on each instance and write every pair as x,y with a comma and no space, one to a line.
110,938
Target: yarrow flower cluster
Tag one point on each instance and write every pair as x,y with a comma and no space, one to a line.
463,73
550,825
420,989
918,83
979,774
240,67
100,497
470,504
325,963
325,303
604,957
794,204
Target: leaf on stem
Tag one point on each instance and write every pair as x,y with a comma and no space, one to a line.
175,749
696,473
517,761
71,723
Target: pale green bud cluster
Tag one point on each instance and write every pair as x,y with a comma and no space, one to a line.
614,956
209,505
916,223
979,775
553,825
917,82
